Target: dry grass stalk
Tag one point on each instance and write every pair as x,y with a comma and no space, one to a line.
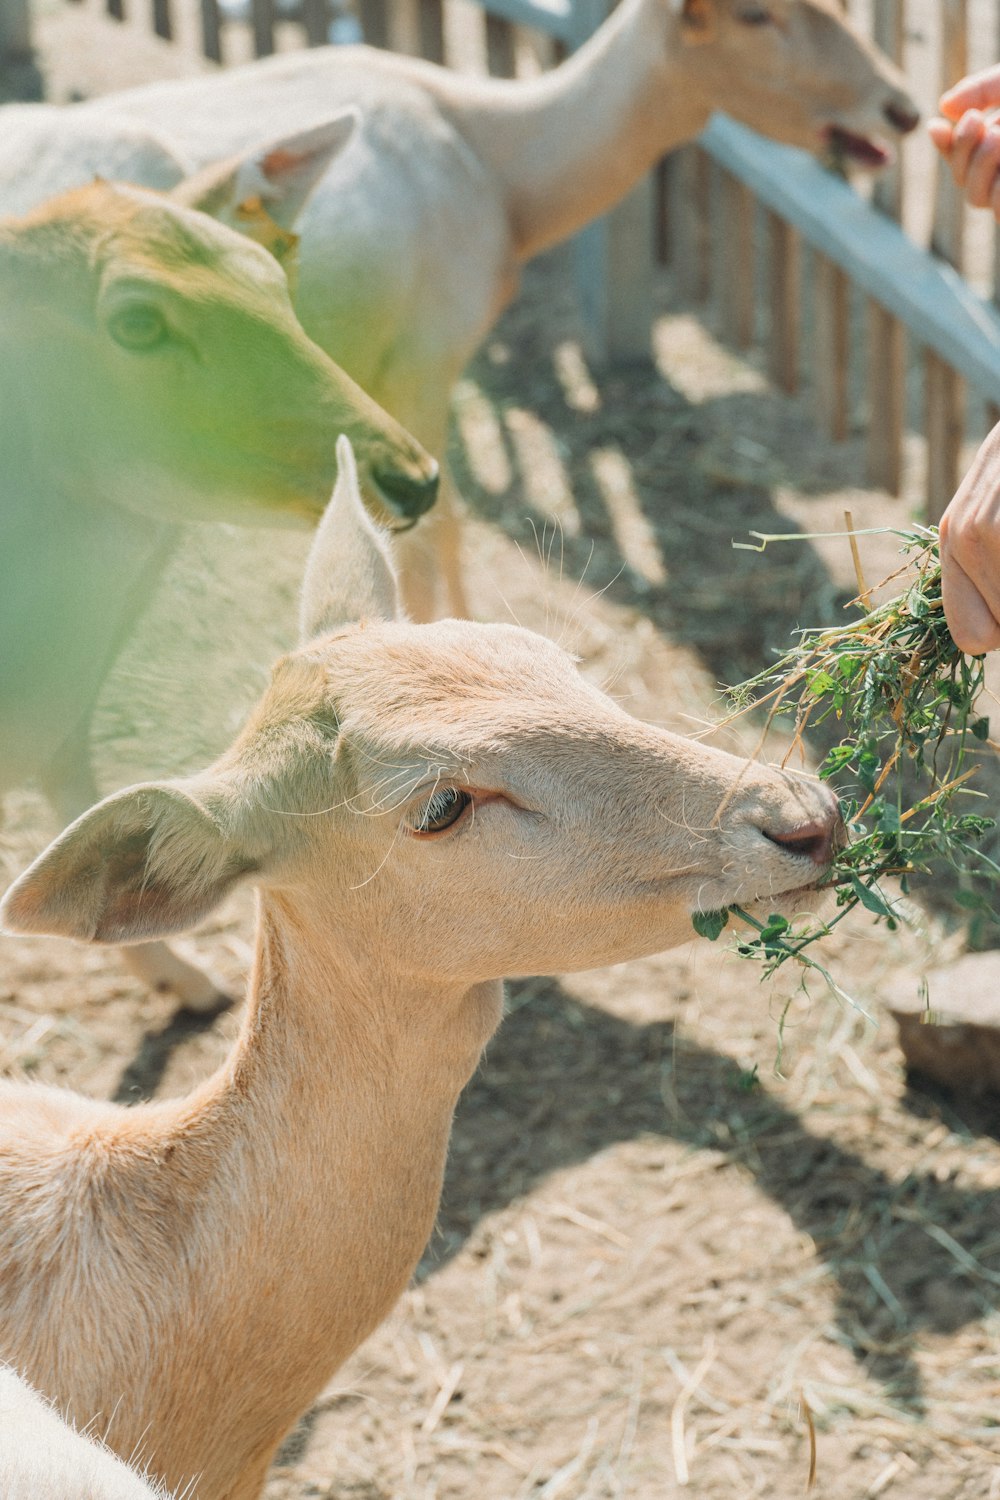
811,1429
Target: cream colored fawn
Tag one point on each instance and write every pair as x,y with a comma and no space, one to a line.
423,809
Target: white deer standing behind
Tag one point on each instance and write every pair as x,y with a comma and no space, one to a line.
415,238
41,155
424,809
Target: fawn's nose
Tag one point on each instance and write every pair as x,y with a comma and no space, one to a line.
902,116
406,495
817,839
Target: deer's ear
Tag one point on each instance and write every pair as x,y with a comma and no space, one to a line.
698,19
144,863
263,192
349,575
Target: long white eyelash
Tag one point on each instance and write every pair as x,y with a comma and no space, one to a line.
386,795
429,811
395,839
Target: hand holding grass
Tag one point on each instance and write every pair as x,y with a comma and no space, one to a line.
970,554
905,702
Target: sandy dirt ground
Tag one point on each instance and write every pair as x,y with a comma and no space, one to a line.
676,1246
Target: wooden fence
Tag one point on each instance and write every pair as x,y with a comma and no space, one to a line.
927,325
734,215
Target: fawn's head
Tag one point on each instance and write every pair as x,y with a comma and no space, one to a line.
160,356
796,70
448,803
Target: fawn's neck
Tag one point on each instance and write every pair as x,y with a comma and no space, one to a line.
328,1130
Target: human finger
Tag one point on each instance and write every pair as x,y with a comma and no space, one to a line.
973,626
970,552
978,91
942,133
982,170
969,134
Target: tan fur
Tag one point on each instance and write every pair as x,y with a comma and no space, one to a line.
233,415
414,240
192,1272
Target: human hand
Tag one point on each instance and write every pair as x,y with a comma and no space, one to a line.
969,138
970,554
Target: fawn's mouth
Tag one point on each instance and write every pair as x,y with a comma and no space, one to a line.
800,900
862,149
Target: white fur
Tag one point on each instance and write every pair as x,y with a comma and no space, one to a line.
44,1458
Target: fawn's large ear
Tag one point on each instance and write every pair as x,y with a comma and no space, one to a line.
144,863
263,192
349,575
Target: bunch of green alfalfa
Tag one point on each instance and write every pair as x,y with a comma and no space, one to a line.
905,705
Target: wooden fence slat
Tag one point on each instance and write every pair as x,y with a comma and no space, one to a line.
211,30
316,21
689,209
631,272
886,339
785,296
162,21
374,18
889,33
15,30
948,238
431,24
737,291
615,267
262,17
944,420
663,224
500,53
404,27
886,399
831,351
416,28
546,52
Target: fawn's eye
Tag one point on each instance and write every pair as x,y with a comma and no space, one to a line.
140,326
441,810
755,15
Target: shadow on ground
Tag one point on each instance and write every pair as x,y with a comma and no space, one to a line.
564,1081
735,608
